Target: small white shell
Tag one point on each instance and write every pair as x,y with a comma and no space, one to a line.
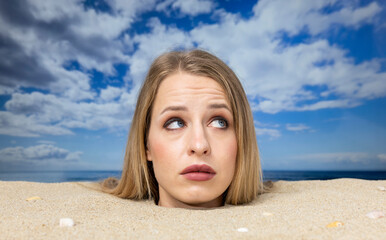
335,224
242,229
31,199
267,214
375,214
66,222
380,188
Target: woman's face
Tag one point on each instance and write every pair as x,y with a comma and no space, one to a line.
192,142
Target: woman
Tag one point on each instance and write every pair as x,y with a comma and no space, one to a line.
192,141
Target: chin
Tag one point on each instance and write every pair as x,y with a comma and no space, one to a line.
201,200
197,201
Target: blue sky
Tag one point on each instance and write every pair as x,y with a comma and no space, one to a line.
314,73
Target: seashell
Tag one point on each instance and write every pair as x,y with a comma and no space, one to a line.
33,198
267,214
380,188
375,214
335,224
242,229
66,222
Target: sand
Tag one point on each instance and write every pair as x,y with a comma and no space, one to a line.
293,210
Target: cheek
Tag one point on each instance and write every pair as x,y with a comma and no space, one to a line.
232,153
225,152
158,150
162,153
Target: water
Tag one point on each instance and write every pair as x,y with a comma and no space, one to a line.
322,175
79,176
59,176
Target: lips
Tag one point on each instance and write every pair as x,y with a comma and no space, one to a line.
198,168
198,172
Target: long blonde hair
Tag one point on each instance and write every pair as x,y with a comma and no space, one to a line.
138,180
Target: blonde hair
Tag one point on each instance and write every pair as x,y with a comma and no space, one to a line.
138,180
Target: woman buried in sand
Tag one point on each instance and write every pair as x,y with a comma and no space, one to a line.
192,142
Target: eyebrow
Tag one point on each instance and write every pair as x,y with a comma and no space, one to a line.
183,108
175,108
216,106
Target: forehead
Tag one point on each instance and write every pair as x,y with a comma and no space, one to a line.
184,85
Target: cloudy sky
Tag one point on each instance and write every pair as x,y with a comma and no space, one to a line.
314,72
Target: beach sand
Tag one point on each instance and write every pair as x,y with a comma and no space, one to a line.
292,210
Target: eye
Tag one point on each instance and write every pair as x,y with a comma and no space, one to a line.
174,123
219,123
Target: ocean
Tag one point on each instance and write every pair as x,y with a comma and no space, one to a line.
79,176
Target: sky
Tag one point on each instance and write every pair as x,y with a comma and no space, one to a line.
314,73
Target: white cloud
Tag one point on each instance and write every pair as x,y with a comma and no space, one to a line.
267,129
382,157
297,127
39,154
260,124
86,21
131,9
324,104
73,84
281,15
110,93
160,39
164,5
46,142
272,133
353,157
188,7
193,7
346,16
6,90
34,114
22,126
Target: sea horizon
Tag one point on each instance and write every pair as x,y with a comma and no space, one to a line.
54,176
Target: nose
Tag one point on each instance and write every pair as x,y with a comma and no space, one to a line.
199,144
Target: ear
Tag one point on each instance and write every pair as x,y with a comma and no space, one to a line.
148,155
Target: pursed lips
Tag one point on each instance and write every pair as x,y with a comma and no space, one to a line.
198,168
198,172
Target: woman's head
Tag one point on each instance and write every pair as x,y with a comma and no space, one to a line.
192,101
191,141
